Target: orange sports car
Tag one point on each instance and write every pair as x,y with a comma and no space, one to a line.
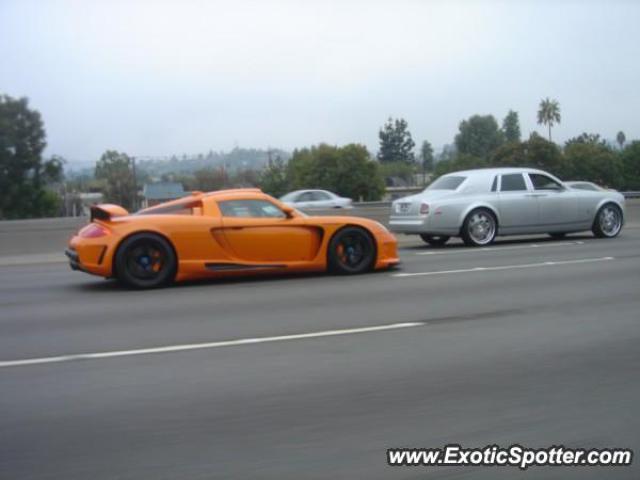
229,232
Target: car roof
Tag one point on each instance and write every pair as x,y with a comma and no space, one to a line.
232,193
497,171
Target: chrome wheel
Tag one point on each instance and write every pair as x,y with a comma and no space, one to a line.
481,227
610,220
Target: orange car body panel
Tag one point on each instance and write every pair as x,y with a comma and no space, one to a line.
208,244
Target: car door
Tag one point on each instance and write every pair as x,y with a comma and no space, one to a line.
258,231
517,205
322,200
557,205
304,200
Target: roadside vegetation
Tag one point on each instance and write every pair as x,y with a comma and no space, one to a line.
34,186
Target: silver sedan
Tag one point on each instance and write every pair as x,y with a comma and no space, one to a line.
479,205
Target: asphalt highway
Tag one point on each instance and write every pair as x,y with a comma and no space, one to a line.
531,341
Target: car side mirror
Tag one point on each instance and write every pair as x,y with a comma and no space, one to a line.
288,210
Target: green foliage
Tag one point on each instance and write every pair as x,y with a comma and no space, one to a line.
396,144
549,113
24,175
587,138
426,156
621,138
273,179
400,170
511,127
593,161
209,179
115,170
462,161
534,153
630,158
347,171
478,136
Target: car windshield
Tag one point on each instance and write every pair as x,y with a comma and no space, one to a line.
449,182
289,196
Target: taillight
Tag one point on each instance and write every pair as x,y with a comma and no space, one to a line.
93,230
424,209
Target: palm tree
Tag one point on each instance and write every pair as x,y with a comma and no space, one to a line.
549,113
621,138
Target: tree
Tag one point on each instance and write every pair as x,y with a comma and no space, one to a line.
631,166
115,169
536,152
273,179
549,113
24,175
593,161
621,138
347,171
511,127
396,144
586,138
426,155
478,136
210,179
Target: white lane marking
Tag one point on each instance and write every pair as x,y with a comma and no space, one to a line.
499,249
504,267
198,346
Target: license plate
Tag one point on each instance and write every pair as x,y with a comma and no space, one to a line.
404,207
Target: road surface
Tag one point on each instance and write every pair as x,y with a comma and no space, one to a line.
530,341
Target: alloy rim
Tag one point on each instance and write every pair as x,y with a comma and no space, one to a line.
145,262
352,250
610,221
481,228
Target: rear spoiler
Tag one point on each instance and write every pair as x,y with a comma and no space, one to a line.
106,212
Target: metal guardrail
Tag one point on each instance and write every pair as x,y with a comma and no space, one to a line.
631,194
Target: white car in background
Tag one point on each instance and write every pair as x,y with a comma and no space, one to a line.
310,199
589,186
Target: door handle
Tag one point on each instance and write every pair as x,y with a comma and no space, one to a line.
536,194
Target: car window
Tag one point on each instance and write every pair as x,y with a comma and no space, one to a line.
448,182
250,209
494,185
512,182
544,182
585,186
321,196
305,197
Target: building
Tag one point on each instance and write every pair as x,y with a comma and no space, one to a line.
155,193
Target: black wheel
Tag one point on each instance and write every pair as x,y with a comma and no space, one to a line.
479,228
351,250
435,240
145,260
558,235
608,221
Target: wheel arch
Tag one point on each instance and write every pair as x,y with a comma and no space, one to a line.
476,206
371,235
166,238
606,201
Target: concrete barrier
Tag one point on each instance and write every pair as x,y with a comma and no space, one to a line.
50,235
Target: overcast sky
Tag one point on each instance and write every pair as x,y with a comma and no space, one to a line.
164,77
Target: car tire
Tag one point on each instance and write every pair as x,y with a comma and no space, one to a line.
145,260
352,250
435,240
479,228
558,235
608,221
